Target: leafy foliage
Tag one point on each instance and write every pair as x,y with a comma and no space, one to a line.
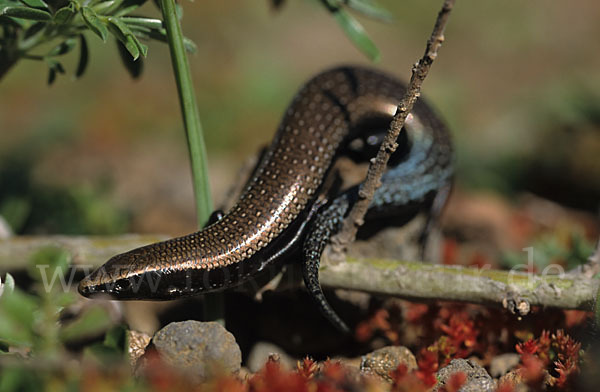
34,327
556,353
28,27
30,206
552,252
351,27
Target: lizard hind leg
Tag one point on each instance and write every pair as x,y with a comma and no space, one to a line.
325,225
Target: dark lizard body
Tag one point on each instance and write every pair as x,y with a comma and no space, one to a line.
284,198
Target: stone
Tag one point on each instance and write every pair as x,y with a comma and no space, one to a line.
384,360
138,341
199,349
503,363
478,380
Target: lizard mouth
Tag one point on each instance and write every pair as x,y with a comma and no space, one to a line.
89,289
98,283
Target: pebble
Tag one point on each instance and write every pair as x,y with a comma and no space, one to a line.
384,360
478,380
138,341
199,349
503,363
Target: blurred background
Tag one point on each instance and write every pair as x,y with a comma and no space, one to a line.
517,82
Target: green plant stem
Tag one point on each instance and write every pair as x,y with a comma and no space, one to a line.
213,305
189,108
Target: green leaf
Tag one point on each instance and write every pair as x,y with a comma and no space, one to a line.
150,23
356,33
9,285
131,46
118,338
63,48
20,378
13,22
15,211
64,14
140,31
369,8
62,300
18,312
107,7
83,56
35,3
91,323
126,36
101,354
51,76
115,347
121,27
58,66
133,67
35,29
25,13
19,306
94,23
143,48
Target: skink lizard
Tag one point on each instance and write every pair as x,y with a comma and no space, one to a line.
282,208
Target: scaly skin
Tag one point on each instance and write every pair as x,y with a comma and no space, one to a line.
281,201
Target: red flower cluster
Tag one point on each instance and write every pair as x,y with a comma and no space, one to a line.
461,332
404,381
330,376
556,355
379,322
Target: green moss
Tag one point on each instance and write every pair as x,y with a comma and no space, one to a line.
530,282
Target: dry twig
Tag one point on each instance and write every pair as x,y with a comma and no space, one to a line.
406,279
389,145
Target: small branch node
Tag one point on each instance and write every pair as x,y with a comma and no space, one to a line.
516,305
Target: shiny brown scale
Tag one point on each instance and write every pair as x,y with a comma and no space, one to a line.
271,214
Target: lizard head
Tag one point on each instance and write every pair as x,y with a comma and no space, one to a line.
123,277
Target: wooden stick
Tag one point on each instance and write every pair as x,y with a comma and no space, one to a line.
378,164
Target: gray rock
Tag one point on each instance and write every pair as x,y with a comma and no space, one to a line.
503,363
381,362
199,349
478,380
